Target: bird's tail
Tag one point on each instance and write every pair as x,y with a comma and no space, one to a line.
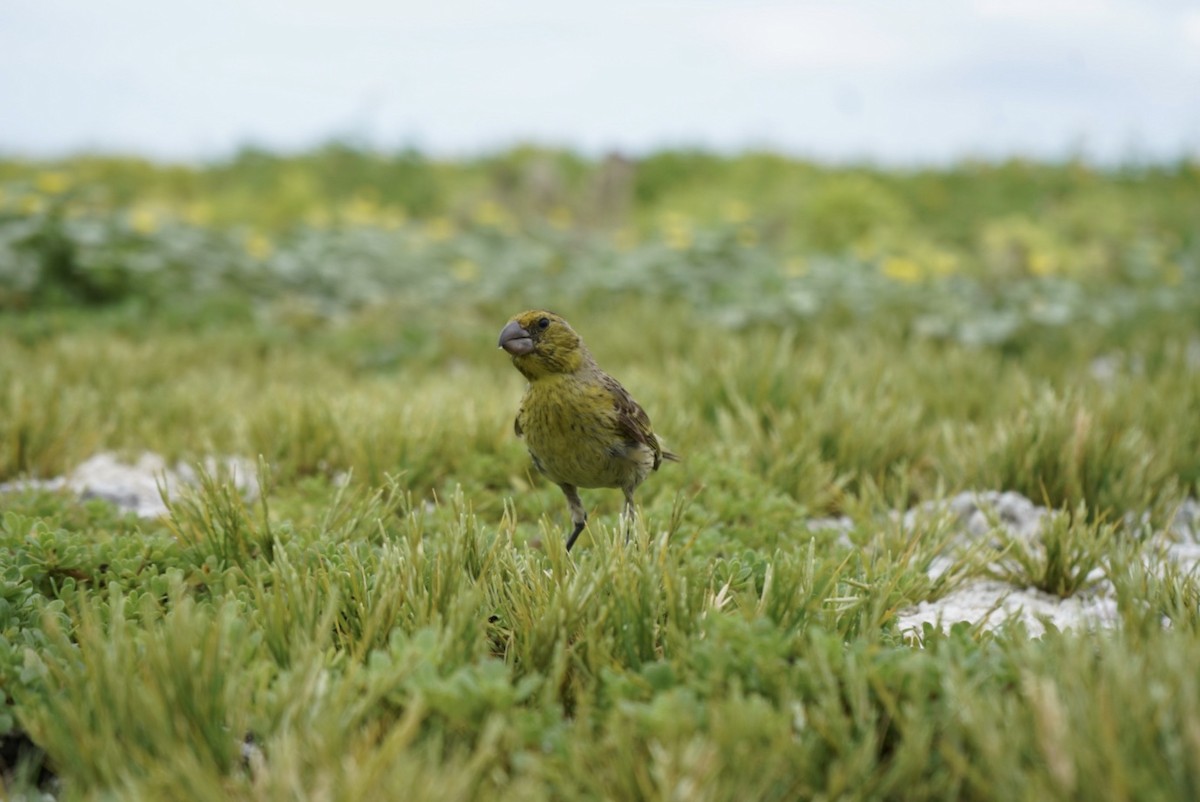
662,453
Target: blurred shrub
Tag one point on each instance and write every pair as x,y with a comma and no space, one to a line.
799,203
845,210
981,253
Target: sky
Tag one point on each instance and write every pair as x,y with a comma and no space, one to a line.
914,81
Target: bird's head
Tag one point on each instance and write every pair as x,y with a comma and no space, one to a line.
542,343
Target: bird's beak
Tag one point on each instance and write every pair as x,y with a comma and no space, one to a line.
515,339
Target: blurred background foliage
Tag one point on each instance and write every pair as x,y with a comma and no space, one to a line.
981,253
796,204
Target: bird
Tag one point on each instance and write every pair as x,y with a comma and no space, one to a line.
582,428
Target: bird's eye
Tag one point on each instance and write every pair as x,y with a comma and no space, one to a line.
543,322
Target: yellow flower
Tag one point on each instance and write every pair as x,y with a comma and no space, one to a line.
863,251
51,183
679,239
259,246
465,271
198,213
625,239
943,263
394,217
677,231
318,218
560,217
144,220
439,229
362,210
735,211
902,269
1042,263
489,214
795,267
32,204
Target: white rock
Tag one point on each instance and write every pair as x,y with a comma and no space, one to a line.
842,525
1185,523
990,602
134,487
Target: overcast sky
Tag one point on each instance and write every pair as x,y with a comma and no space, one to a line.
900,81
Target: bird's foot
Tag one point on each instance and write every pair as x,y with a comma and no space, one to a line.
575,534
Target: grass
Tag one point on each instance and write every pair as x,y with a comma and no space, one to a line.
394,615
1063,560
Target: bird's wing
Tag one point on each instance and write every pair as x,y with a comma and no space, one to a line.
518,429
632,421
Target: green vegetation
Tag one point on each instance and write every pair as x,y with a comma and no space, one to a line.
394,616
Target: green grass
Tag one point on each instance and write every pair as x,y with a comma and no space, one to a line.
374,643
395,617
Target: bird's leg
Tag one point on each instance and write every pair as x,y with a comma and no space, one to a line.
629,513
578,515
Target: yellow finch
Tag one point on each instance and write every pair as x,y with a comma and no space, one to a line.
581,426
